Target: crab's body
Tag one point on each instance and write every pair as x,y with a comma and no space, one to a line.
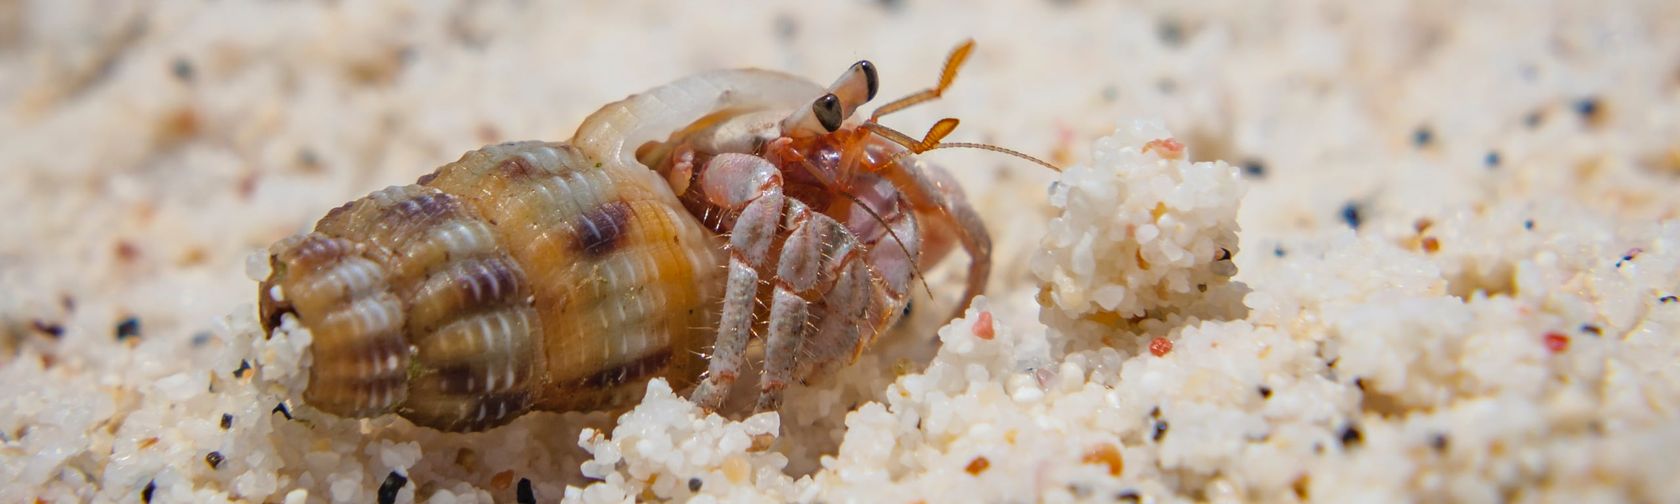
562,276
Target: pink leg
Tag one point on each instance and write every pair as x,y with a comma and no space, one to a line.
821,260
754,187
893,258
971,232
844,326
867,294
941,204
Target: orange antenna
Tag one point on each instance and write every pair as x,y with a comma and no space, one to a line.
930,141
944,127
952,64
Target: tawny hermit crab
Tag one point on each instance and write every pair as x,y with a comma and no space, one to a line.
562,276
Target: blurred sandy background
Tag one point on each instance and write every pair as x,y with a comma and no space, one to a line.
146,148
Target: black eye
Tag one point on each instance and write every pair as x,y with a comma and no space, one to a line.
869,76
827,110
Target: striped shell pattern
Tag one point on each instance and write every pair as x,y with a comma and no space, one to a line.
523,276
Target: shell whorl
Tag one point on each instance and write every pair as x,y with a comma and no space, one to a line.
345,300
523,275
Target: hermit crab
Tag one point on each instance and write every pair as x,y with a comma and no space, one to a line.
673,226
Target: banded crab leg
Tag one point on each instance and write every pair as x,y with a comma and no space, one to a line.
748,184
821,274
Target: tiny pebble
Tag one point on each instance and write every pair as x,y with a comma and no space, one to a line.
146,493
1351,436
527,496
694,484
984,328
1350,215
1587,107
393,484
1556,342
1422,136
227,421
183,69
1171,32
214,459
48,328
1160,347
128,328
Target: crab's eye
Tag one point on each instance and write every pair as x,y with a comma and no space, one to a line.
869,77
827,110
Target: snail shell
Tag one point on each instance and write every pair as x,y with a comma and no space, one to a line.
527,275
524,275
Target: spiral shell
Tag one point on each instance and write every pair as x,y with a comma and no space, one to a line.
524,276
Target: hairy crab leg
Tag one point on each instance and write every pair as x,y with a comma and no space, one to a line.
754,187
797,272
820,275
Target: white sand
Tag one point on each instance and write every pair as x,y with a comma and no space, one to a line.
1494,329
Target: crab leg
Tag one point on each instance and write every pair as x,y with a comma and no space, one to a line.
936,196
892,260
796,272
754,187
820,260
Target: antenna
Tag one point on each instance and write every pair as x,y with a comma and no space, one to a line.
931,140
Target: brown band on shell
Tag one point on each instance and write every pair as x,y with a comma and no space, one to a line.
422,210
602,229
459,379
633,370
496,409
464,289
518,167
361,359
486,282
353,396
312,251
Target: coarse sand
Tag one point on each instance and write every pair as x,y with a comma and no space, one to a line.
1300,251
